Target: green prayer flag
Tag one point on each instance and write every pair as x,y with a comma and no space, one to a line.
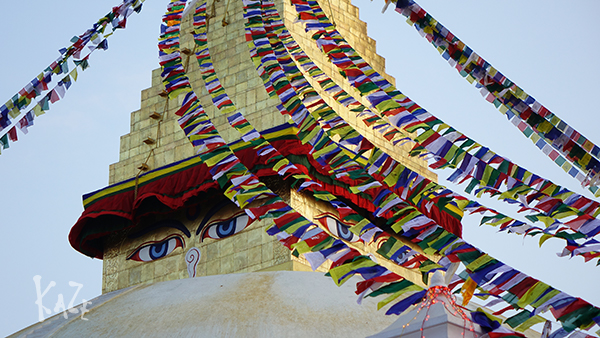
518,319
4,141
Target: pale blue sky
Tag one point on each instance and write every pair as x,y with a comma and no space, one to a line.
549,48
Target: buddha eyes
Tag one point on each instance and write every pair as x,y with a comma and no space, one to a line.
152,251
226,228
217,229
339,229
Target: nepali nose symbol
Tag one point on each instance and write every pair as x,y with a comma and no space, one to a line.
192,257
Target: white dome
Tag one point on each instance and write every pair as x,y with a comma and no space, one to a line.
258,304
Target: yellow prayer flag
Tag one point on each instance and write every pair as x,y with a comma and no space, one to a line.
325,197
387,105
544,238
503,109
500,221
74,74
467,290
339,271
243,198
397,294
355,229
398,225
178,91
392,177
473,146
301,247
230,192
544,126
479,262
441,127
37,110
585,160
548,221
280,164
533,293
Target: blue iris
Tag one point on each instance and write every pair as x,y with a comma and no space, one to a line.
344,231
159,250
226,228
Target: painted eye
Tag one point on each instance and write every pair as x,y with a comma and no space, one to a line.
226,228
152,251
340,230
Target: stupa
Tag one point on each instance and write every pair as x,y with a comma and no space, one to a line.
256,159
163,219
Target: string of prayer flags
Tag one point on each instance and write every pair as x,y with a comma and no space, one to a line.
311,135
266,153
38,88
553,136
242,186
507,223
224,166
305,121
414,212
512,225
429,235
436,241
431,264
234,119
324,114
295,226
469,162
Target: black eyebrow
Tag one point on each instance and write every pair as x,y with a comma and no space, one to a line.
210,214
169,223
